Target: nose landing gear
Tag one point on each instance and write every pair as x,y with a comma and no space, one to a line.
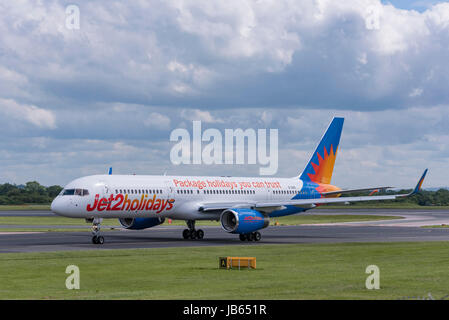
96,237
191,233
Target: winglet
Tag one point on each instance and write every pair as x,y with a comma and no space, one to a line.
418,186
110,170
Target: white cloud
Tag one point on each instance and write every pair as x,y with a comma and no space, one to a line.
37,116
157,120
135,70
286,51
416,92
201,115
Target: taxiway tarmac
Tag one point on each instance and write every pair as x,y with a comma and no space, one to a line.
406,229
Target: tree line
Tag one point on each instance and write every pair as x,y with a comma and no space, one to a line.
31,192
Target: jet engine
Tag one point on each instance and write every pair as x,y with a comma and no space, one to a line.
243,220
140,223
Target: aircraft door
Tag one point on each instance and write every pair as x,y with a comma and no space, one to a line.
169,190
270,194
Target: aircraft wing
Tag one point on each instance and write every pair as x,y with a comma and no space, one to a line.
212,206
275,205
353,190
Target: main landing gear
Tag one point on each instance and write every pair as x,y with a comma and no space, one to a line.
191,233
96,238
253,236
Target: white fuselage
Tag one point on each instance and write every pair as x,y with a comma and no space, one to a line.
176,197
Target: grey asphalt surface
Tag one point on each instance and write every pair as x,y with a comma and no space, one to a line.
406,229
27,213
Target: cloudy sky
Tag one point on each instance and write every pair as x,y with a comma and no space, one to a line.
74,101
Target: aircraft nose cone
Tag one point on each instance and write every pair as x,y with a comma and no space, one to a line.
56,206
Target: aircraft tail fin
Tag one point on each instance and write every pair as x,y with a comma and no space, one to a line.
321,165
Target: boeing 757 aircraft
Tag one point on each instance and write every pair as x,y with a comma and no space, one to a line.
242,205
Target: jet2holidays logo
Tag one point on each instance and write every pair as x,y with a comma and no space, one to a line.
189,149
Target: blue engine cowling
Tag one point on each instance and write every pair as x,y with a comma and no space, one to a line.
140,223
242,220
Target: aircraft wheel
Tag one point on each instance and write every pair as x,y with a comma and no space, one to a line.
95,240
242,237
200,234
186,234
100,240
193,235
257,236
250,237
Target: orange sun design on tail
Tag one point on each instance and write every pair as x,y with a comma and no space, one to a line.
324,168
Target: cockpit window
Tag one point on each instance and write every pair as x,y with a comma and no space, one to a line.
76,192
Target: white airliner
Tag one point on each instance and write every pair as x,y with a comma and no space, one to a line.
243,205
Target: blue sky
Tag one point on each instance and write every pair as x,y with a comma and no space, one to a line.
412,5
74,102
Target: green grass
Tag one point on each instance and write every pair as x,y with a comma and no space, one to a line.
437,226
25,207
305,271
49,221
314,219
